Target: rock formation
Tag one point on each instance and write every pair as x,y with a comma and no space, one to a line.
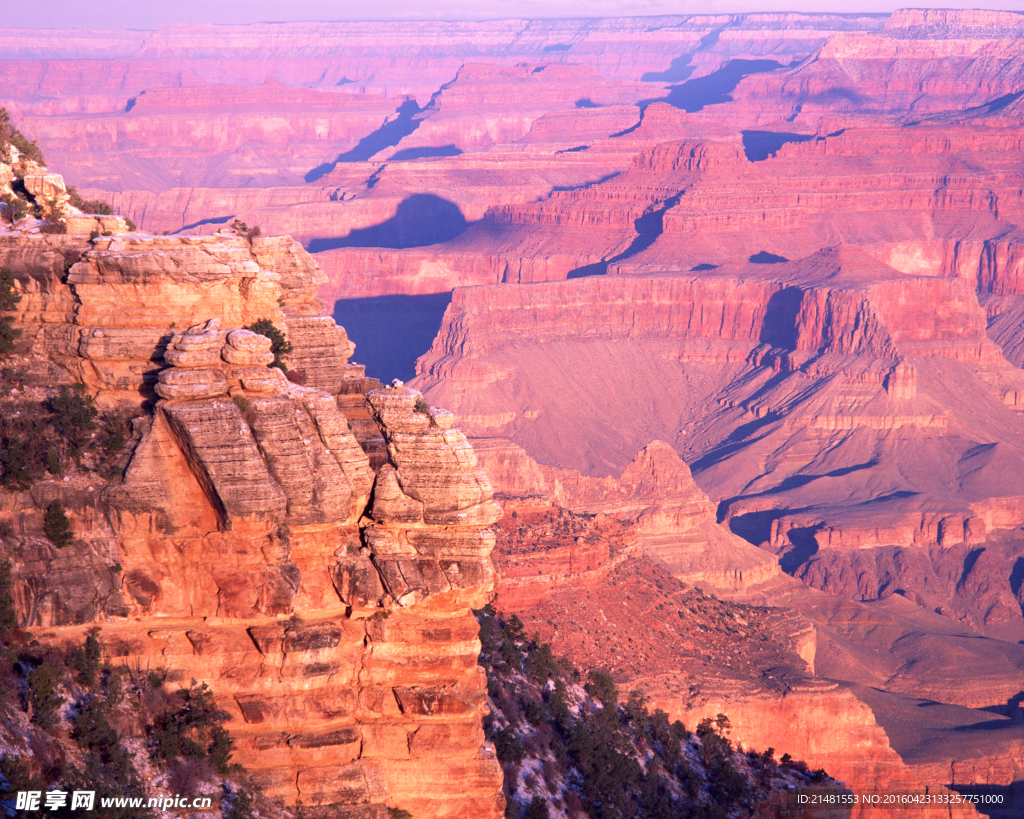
246,554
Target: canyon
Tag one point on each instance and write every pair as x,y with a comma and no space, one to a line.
729,310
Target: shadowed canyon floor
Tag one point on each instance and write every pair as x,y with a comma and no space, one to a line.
728,303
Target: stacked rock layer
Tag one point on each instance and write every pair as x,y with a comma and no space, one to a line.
240,547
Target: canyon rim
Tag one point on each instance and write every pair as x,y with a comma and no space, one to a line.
681,470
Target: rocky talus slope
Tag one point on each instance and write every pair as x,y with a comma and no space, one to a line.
830,681
240,547
575,742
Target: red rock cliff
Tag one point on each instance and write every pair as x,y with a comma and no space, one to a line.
337,633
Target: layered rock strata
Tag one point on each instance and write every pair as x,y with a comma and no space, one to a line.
796,391
671,520
241,548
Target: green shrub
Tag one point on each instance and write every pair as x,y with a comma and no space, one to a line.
250,233
241,806
30,152
56,226
537,809
421,406
115,428
279,345
602,687
16,460
9,299
398,813
74,414
56,525
9,135
541,663
18,774
130,223
94,206
110,772
43,698
53,463
115,685
8,618
15,208
244,406
92,730
507,746
86,661
220,749
195,730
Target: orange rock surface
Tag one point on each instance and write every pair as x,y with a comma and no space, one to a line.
240,548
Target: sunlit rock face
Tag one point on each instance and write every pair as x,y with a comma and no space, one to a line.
240,547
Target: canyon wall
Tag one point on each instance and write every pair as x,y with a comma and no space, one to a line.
834,374
240,547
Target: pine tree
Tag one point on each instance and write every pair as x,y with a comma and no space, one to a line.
56,525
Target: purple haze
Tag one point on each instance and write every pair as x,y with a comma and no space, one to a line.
131,14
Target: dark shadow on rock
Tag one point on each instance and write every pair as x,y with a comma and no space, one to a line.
1016,580
969,561
586,102
631,128
594,269
759,145
679,70
584,185
779,328
804,547
648,228
999,103
753,527
388,135
1011,708
703,266
713,89
391,332
557,47
575,150
214,220
421,219
764,257
426,152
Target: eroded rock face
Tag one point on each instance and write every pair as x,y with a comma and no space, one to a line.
432,505
823,404
240,548
673,521
107,309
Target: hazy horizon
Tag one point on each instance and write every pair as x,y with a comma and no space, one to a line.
120,14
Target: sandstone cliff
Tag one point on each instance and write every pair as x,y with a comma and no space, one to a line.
240,547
